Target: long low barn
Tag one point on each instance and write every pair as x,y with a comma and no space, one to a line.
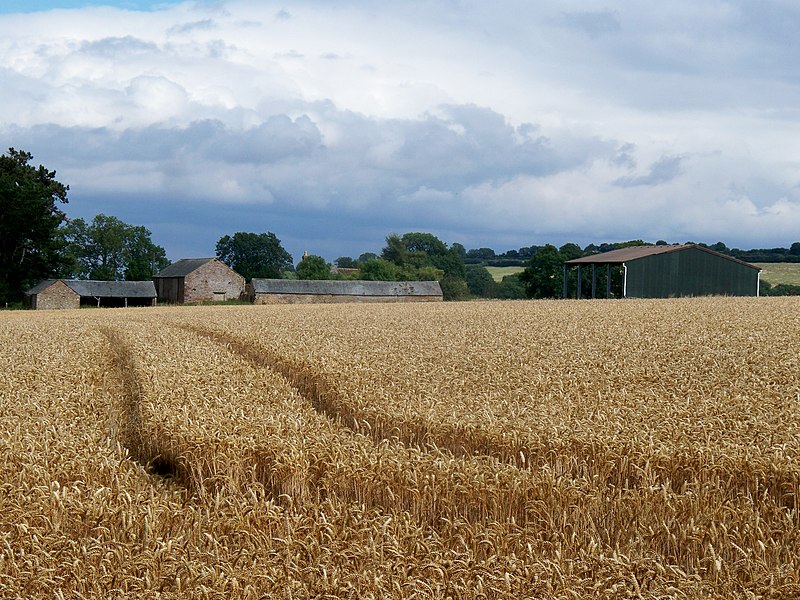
293,291
71,293
669,271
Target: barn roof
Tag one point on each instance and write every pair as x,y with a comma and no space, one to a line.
42,285
626,254
102,289
183,267
346,287
636,252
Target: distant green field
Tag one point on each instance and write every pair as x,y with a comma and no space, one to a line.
499,272
775,273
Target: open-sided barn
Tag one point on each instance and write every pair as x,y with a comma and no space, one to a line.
71,293
289,291
198,280
669,271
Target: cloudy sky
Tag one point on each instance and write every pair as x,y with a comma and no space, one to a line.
333,123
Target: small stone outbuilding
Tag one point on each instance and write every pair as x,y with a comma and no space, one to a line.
198,280
72,293
292,291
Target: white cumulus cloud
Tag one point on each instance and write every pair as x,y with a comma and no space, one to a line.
536,123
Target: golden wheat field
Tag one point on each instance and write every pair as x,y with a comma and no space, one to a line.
541,449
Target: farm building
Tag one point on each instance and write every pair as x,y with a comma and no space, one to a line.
292,291
668,271
72,293
198,280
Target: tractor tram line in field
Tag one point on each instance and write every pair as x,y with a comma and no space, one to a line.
128,414
312,387
489,451
757,486
619,467
320,390
388,481
625,464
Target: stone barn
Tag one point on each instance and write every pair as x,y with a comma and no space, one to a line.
72,293
292,291
198,280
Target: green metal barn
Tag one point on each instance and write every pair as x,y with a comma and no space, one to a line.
666,271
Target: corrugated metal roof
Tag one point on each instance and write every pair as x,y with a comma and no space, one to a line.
183,267
625,254
346,288
635,252
102,289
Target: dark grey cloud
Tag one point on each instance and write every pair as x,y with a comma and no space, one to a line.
383,174
192,228
276,138
465,144
664,170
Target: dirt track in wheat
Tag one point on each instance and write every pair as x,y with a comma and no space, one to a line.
543,449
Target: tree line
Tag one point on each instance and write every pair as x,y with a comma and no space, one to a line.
39,241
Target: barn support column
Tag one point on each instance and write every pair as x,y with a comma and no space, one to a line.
566,285
594,281
624,280
580,273
608,280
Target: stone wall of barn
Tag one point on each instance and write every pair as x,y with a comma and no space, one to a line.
336,299
57,295
213,281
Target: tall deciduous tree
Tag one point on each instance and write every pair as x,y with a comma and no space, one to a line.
380,269
313,267
144,258
543,276
480,282
424,242
459,249
346,262
362,258
395,250
254,255
109,249
29,221
424,256
484,253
